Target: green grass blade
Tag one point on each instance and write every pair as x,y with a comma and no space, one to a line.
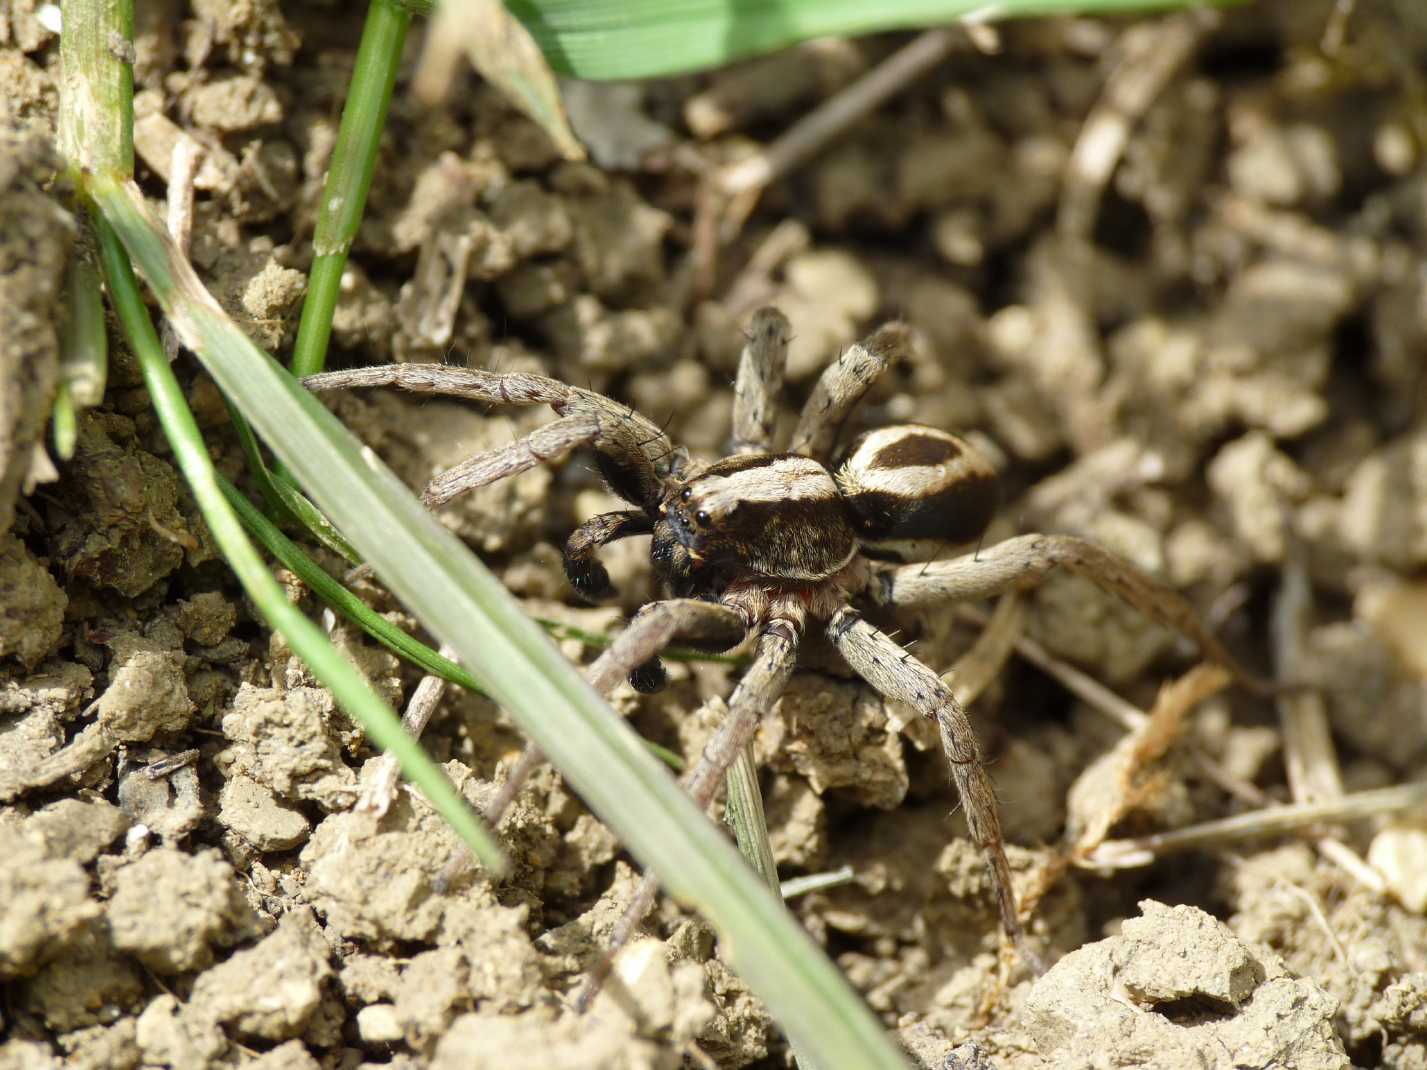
341,599
465,606
378,627
611,39
349,177
743,812
83,354
96,115
348,685
64,422
284,500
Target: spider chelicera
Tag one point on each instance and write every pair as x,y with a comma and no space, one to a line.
764,543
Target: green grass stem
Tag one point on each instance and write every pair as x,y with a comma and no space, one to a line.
83,354
349,177
96,117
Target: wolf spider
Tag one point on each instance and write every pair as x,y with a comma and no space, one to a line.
763,543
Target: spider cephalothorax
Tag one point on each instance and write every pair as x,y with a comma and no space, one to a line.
776,515
766,542
787,518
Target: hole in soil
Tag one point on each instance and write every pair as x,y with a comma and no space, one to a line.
1368,1051
1195,1010
1123,227
1237,60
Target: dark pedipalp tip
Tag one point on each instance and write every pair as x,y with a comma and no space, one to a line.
649,678
590,579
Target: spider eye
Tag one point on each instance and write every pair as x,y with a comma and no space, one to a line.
686,494
702,517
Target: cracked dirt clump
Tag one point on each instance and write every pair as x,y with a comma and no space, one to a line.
651,1012
250,810
173,1033
88,983
1384,945
1177,988
31,605
33,714
271,990
170,909
376,880
116,511
78,829
836,737
147,692
46,901
286,739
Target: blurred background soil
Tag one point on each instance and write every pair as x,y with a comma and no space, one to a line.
1170,270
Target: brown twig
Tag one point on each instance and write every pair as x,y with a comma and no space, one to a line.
376,798
1257,824
1150,55
732,192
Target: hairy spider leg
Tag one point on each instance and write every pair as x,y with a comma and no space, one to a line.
898,675
842,385
774,658
445,380
653,628
582,567
1025,560
630,449
551,442
657,625
760,381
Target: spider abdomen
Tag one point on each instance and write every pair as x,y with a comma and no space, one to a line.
913,482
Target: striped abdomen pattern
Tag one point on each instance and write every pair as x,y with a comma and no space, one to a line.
914,482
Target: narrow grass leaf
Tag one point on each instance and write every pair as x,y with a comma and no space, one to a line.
466,607
614,39
348,685
322,584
